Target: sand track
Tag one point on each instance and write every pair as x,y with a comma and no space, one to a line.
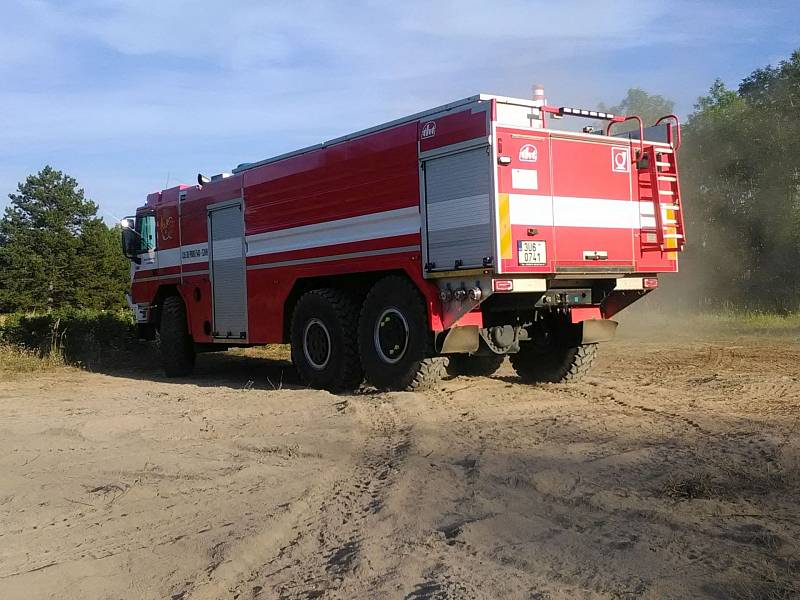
673,471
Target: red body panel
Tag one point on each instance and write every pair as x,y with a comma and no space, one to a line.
583,201
270,288
452,129
377,172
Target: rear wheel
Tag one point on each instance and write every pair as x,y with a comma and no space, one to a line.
480,365
323,336
393,338
177,347
553,364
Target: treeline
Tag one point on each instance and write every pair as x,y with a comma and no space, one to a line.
740,168
740,180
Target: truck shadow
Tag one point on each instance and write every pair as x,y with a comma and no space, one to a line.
260,368
234,370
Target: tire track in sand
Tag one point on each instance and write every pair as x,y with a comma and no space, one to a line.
328,554
315,547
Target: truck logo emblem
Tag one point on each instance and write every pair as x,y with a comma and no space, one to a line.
619,160
166,227
428,130
528,153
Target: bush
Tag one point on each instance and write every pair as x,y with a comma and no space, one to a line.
78,336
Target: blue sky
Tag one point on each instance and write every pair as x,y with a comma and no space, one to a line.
129,95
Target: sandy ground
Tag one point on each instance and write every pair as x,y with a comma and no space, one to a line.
672,472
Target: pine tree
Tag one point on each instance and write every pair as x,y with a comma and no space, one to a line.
54,251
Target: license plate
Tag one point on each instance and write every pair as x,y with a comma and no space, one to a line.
531,253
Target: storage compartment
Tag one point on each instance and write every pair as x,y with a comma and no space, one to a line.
226,232
458,196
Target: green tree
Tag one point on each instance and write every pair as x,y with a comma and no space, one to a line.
716,184
100,253
741,184
638,102
54,251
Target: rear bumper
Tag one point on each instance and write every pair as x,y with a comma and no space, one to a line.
585,296
540,284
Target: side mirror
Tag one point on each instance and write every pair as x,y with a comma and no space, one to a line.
130,240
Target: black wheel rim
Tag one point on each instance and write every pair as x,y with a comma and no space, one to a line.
391,335
316,344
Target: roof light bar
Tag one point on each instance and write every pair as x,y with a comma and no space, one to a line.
582,112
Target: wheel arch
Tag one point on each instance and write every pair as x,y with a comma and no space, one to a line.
166,291
358,284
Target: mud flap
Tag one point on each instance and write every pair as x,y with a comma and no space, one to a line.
460,339
597,330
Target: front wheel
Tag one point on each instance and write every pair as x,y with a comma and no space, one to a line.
555,364
393,338
175,341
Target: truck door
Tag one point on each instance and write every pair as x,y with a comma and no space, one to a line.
457,188
594,216
146,228
228,270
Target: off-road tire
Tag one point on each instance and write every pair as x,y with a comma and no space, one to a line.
335,312
428,374
557,365
415,368
482,365
175,342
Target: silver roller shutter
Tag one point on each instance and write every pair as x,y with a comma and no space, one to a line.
228,272
458,209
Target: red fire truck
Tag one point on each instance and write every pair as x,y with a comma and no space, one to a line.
447,239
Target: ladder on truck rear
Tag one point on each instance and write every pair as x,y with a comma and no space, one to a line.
662,171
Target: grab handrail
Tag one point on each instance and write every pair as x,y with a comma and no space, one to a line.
622,119
677,127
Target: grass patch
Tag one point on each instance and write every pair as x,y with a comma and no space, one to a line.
752,320
269,352
653,319
722,480
690,487
19,361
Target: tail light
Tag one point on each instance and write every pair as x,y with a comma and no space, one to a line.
650,283
503,285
